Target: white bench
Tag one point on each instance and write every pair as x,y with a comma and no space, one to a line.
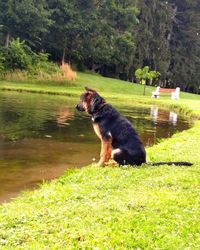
175,93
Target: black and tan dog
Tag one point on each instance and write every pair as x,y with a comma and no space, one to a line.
119,139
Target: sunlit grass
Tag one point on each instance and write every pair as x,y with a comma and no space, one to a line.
108,208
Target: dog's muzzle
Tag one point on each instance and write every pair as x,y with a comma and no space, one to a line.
79,107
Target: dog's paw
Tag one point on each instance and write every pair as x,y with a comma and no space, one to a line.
112,164
95,165
100,164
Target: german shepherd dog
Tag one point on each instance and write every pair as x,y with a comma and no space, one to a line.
119,139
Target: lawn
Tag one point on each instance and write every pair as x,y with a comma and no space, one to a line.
113,207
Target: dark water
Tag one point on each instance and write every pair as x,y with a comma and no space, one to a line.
41,136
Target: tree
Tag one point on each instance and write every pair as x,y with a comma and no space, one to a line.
96,34
185,46
27,19
112,37
153,75
152,36
143,74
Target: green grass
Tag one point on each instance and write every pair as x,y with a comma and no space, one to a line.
114,208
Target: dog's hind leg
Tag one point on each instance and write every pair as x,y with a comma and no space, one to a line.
119,156
123,157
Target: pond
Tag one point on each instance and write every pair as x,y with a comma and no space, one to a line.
41,136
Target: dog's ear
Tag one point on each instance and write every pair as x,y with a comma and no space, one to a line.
96,103
89,90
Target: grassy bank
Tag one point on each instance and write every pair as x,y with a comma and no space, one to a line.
113,208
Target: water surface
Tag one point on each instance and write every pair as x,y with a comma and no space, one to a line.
41,136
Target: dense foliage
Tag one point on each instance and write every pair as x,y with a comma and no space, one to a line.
112,37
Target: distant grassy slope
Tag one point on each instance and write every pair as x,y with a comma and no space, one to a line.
110,88
102,84
115,208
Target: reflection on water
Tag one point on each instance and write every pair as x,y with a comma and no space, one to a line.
41,136
156,115
63,115
173,117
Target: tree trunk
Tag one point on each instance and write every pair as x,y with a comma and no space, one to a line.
63,55
7,39
144,92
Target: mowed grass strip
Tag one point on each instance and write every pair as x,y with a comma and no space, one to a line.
113,207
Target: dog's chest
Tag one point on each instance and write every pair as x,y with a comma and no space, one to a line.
97,130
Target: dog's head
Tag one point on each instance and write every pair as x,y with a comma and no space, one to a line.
90,101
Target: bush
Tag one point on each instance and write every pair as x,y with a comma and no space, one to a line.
17,55
2,61
2,68
19,62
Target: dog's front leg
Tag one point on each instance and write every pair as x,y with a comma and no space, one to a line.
105,154
106,145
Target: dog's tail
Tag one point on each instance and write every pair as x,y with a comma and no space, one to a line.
176,163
